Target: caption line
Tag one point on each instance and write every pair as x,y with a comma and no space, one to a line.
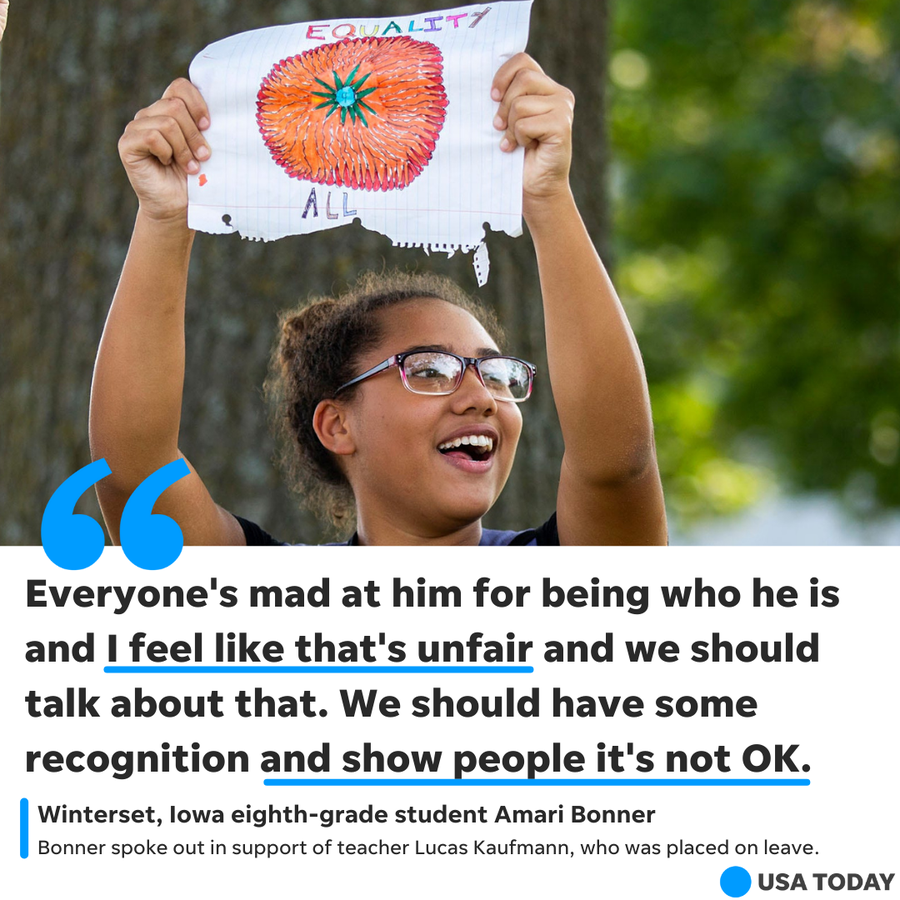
23,828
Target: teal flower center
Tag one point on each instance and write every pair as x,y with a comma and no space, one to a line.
345,96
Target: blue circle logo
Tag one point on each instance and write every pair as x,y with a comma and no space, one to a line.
735,882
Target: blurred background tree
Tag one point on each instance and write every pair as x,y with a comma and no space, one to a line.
756,190
755,230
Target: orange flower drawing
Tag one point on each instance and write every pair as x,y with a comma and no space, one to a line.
363,113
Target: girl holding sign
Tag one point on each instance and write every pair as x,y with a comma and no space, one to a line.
402,406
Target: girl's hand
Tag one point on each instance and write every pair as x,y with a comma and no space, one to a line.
162,146
535,113
4,11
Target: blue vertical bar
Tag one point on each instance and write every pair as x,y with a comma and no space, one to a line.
23,828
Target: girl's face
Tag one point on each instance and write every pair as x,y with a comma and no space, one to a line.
401,478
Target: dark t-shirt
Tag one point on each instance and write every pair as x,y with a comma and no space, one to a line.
544,535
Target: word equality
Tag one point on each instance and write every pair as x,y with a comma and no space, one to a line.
324,31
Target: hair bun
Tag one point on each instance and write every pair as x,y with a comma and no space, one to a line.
298,325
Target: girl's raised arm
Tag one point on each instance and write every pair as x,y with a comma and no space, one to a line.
139,373
609,488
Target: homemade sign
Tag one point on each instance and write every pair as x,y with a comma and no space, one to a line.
385,121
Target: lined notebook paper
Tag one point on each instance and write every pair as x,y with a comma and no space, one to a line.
388,121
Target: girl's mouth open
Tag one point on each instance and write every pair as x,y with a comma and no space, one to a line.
470,452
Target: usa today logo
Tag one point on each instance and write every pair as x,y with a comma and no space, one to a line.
737,881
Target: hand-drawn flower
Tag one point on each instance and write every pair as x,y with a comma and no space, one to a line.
363,113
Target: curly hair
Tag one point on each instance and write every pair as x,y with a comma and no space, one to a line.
318,349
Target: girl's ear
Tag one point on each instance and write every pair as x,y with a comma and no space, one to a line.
331,424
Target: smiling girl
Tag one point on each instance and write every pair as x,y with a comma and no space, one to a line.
401,405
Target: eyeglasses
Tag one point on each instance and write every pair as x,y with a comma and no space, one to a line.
439,373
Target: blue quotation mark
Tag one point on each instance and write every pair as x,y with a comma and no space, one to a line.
735,882
75,541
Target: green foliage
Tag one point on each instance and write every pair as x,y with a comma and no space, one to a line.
756,192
